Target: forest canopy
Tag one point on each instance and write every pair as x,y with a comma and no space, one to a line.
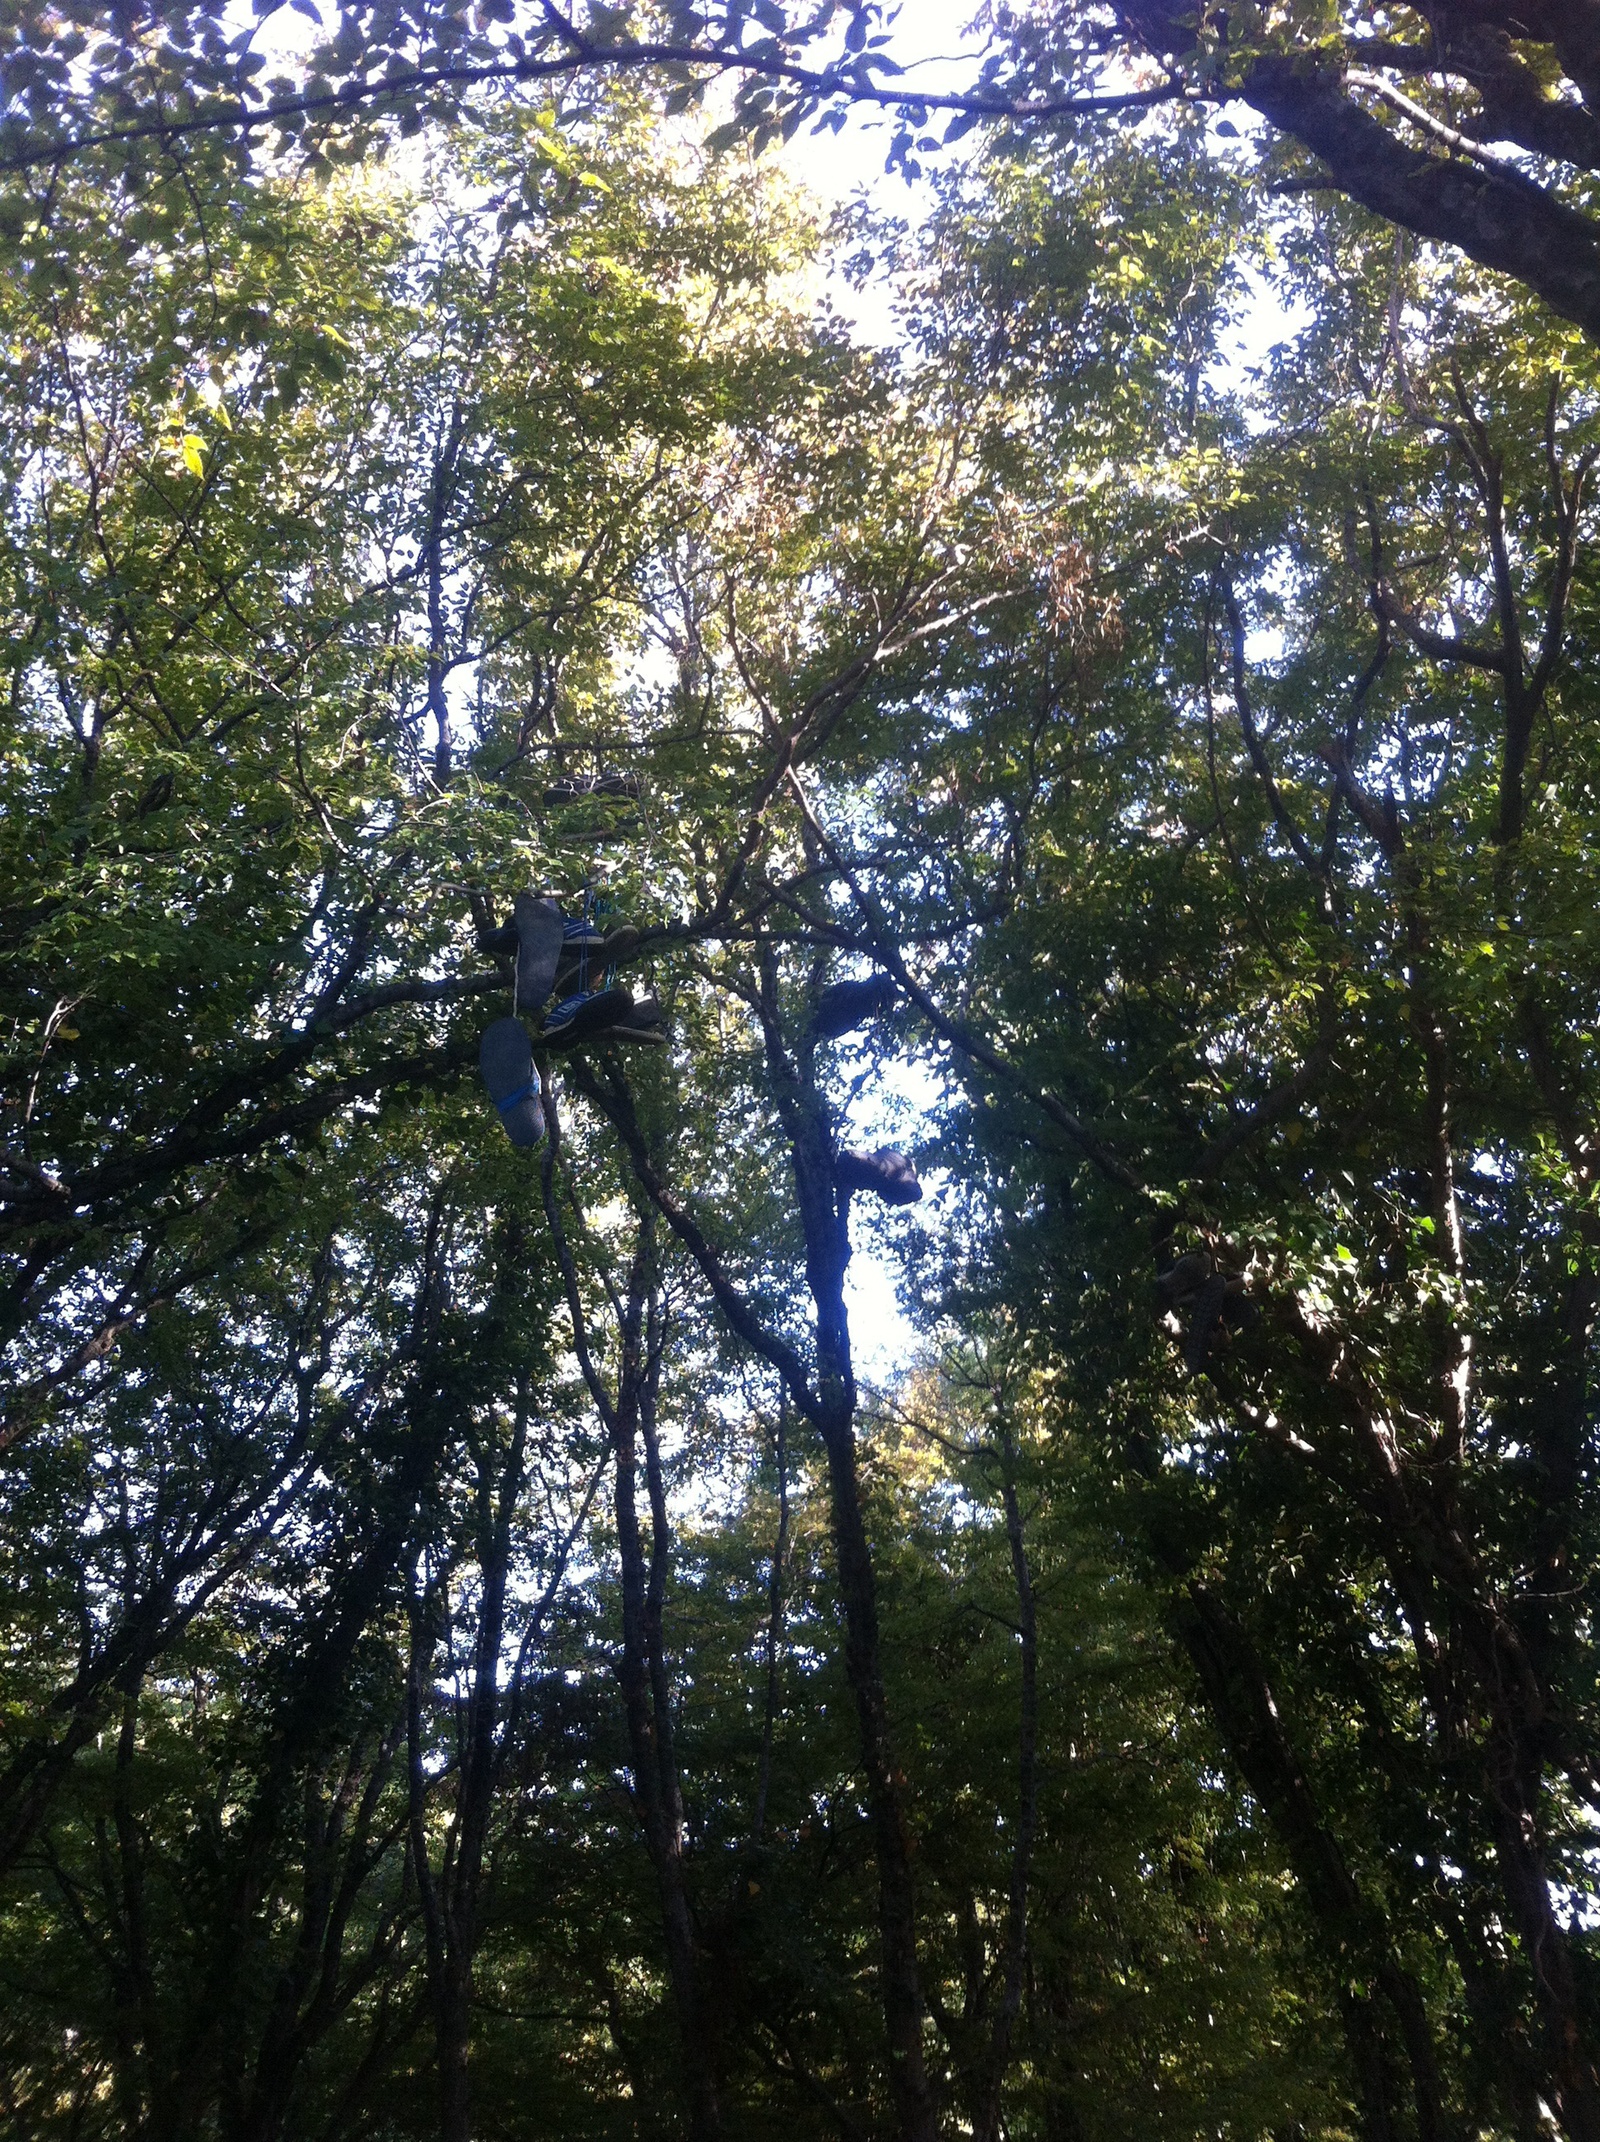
516,1639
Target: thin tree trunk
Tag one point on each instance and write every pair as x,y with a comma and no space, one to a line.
774,1636
825,1216
647,1697
1247,1715
987,2126
433,1927
897,1929
829,1403
642,1671
480,1767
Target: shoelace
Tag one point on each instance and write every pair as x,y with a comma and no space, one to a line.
522,1093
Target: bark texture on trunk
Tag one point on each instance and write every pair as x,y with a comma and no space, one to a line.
1452,190
774,1634
646,1686
451,1896
825,1217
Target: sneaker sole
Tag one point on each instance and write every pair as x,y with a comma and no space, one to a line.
505,1057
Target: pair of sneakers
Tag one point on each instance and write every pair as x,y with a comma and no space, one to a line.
554,951
540,936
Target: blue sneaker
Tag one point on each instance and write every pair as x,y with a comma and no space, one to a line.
585,1016
577,933
581,959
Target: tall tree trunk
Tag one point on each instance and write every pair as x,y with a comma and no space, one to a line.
645,1687
774,1635
825,1216
897,1926
987,2126
642,1670
827,1398
498,1492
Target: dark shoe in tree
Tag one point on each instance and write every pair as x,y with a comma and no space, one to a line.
540,935
1205,1302
585,1017
1204,1318
884,1173
1182,1280
505,1057
640,1023
843,1006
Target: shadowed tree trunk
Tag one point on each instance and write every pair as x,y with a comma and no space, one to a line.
774,1633
826,1397
988,2125
451,1903
629,1415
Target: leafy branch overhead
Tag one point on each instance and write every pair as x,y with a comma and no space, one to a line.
1470,125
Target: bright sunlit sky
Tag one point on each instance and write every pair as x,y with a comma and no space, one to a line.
933,45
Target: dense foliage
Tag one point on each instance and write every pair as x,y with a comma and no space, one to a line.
1471,122
479,1657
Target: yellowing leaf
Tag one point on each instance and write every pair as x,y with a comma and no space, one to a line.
194,453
